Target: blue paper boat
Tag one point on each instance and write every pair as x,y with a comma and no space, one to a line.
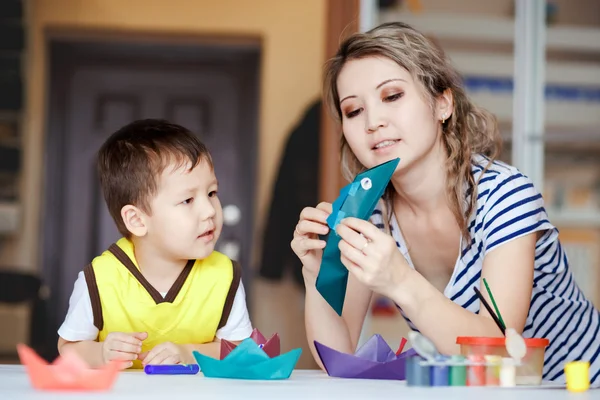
358,200
249,361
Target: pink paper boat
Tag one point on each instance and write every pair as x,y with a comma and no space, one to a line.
66,373
272,346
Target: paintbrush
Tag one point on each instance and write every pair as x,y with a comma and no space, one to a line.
494,303
492,313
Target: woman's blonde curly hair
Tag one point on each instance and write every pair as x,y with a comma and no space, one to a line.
469,130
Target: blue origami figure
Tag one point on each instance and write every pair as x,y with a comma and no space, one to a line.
249,361
357,199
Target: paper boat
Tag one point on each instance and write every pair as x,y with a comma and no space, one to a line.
373,360
249,361
272,346
67,373
357,199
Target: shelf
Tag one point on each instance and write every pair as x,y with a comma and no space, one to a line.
572,97
557,114
565,74
483,28
574,218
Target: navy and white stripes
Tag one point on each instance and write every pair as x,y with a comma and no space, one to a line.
508,206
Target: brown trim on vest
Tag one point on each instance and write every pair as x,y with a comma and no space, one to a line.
178,284
156,296
90,280
235,283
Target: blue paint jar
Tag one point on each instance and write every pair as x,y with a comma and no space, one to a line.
439,372
417,374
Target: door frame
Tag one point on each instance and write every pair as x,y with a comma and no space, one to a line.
341,21
71,48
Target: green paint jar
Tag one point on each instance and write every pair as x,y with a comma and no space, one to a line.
458,371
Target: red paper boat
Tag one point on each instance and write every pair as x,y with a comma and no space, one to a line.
272,346
68,372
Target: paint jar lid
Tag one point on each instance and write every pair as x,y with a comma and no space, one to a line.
515,344
423,346
498,341
458,358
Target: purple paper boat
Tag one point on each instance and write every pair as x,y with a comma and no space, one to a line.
373,360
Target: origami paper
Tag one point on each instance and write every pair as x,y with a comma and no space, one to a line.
373,360
271,346
358,200
68,372
249,361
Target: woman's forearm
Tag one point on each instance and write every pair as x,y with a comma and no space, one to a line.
326,326
211,349
439,318
323,323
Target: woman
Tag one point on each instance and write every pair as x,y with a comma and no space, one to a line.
451,215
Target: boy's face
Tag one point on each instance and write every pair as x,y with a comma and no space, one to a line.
186,216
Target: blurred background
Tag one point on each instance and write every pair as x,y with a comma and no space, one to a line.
246,76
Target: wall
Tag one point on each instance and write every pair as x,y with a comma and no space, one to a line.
290,76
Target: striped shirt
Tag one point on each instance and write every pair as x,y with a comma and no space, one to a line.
508,207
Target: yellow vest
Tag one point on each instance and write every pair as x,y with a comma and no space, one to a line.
196,306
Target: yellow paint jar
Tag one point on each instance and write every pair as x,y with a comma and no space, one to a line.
577,374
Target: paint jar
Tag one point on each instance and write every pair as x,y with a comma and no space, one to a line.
577,374
508,372
458,371
529,372
492,370
476,370
410,368
439,372
417,372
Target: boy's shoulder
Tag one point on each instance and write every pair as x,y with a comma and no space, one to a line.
218,262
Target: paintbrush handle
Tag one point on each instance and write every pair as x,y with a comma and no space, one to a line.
494,302
492,313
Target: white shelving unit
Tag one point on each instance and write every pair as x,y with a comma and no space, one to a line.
491,29
572,98
482,48
491,66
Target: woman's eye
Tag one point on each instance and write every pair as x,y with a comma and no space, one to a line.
393,97
212,194
188,201
353,113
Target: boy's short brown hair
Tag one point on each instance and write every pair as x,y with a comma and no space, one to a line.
132,159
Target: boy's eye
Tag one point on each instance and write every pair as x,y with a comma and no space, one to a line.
188,201
212,194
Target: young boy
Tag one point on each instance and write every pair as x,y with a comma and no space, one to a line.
162,290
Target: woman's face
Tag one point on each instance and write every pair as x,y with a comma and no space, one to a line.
385,113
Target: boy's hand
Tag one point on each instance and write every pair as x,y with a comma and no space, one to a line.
164,353
122,346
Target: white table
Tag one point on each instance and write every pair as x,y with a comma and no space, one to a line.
304,384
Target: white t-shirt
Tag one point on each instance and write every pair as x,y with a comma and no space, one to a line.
79,323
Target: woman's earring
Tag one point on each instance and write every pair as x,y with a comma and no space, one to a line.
443,119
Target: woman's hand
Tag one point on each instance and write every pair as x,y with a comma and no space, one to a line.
371,256
306,243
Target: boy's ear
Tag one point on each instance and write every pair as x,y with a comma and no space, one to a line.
134,220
